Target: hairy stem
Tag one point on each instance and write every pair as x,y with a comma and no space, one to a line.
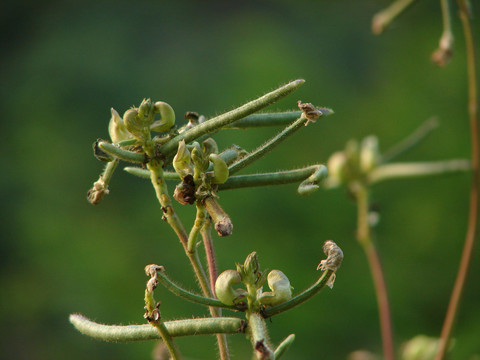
206,232
176,328
473,212
268,146
122,154
364,238
284,345
258,333
223,120
413,139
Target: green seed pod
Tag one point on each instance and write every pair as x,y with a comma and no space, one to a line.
281,289
167,117
182,161
117,129
134,124
220,169
224,288
369,154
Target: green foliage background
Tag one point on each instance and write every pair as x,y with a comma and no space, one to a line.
64,64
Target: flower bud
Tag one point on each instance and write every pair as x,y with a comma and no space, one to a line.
281,289
336,165
199,160
220,169
251,266
182,161
117,129
134,125
167,117
369,154
210,146
420,347
224,288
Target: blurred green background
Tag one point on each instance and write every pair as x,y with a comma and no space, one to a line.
64,64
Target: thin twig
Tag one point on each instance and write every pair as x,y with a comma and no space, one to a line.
473,212
364,238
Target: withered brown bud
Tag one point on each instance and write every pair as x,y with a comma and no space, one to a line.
310,112
185,191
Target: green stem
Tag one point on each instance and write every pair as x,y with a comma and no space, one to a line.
174,288
284,345
413,139
258,333
122,154
223,120
274,178
158,181
197,225
167,339
268,146
364,238
300,298
100,187
145,174
383,18
271,119
472,230
309,175
176,328
417,169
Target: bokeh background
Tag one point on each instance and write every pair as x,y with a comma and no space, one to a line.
64,64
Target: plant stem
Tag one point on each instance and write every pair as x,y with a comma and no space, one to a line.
176,289
284,345
382,19
206,232
365,240
258,333
122,154
271,119
473,212
197,225
413,139
268,146
176,328
156,175
225,119
273,178
417,169
300,298
167,339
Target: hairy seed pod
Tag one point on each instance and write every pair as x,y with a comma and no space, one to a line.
224,288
